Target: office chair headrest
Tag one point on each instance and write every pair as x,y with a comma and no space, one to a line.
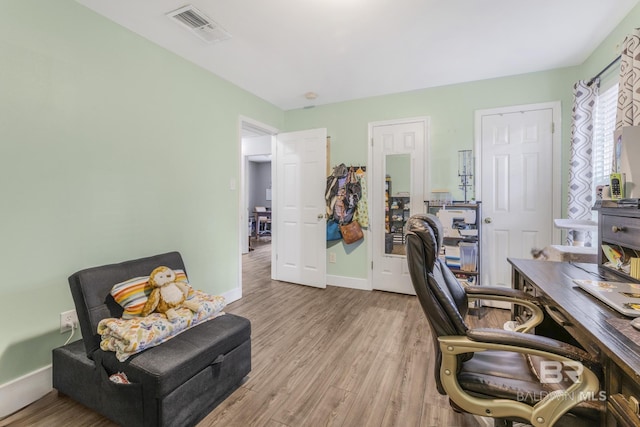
428,229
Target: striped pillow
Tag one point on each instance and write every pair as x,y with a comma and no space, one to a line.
132,294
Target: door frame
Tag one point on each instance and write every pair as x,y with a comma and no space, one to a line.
426,122
242,188
556,152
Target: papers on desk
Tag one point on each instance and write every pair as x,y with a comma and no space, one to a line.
622,297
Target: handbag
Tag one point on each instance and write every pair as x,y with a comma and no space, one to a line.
333,230
351,232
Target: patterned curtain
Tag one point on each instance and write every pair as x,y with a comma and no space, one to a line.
628,113
580,169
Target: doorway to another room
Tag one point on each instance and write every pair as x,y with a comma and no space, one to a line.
258,175
255,199
256,141
291,212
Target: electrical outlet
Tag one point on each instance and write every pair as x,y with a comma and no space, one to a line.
332,257
67,318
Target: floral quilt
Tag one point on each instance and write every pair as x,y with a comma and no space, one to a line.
130,336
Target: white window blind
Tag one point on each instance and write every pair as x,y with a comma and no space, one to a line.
604,123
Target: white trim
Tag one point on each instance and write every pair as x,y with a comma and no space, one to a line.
22,391
368,231
556,138
242,221
232,295
274,201
266,128
348,282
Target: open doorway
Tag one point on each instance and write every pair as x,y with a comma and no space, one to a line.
258,176
256,142
298,227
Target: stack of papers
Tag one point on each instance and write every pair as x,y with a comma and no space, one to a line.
452,256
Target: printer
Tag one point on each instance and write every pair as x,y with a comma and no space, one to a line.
457,222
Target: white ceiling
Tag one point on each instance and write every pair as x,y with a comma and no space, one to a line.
350,49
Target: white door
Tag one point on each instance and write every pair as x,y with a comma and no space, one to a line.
519,188
299,233
397,183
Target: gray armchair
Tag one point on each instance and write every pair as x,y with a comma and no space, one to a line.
507,375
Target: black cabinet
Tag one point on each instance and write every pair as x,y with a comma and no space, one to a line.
619,241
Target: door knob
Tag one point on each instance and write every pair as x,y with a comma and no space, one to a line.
488,220
320,216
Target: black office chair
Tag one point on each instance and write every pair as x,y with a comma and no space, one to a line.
494,372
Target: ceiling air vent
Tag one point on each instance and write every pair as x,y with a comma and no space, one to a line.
199,24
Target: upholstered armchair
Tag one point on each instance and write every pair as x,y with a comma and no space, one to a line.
507,375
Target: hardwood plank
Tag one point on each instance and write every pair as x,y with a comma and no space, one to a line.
332,357
330,409
327,364
56,410
407,397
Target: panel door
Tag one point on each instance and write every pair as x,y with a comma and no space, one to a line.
397,191
517,191
300,227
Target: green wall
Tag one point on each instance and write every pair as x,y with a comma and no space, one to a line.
451,110
111,148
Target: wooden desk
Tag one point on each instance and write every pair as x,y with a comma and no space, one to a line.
575,316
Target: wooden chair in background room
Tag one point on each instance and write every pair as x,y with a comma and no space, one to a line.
263,221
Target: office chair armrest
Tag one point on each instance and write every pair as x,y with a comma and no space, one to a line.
544,413
534,342
513,296
472,291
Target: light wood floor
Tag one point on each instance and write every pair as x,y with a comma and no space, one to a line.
332,357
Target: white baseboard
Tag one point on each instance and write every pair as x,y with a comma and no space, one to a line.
20,392
233,295
348,282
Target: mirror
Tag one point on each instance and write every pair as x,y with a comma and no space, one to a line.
397,202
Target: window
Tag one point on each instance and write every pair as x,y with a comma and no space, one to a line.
604,123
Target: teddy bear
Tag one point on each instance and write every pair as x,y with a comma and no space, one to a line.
168,294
